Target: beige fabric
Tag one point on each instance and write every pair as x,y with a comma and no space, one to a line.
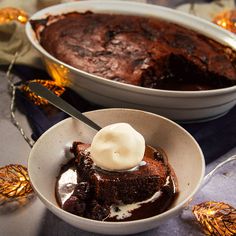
208,10
27,5
13,38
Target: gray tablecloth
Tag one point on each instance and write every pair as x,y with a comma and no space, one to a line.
34,219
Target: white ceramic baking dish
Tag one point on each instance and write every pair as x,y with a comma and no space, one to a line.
184,106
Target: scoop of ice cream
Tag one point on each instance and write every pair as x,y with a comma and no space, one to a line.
117,147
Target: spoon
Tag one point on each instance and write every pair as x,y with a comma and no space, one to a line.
61,104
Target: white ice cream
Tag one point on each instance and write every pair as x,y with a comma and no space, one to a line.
117,147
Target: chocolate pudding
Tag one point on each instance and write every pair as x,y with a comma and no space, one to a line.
86,190
138,50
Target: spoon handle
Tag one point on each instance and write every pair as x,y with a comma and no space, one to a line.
61,104
211,174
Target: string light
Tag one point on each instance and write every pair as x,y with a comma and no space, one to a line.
51,85
226,20
14,185
216,218
9,14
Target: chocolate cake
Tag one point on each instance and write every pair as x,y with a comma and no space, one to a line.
97,191
138,50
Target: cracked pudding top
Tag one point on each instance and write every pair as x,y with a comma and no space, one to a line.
137,50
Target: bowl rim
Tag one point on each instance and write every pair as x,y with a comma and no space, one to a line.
229,38
163,215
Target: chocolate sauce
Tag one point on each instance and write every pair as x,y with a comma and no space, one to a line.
151,208
69,178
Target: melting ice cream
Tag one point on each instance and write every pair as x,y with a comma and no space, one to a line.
117,147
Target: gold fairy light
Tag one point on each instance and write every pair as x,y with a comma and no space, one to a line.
51,85
58,72
216,218
14,183
9,14
226,20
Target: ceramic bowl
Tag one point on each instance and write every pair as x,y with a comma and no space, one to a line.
49,153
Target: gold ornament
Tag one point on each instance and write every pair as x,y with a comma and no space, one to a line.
9,14
59,73
226,20
216,218
51,85
14,183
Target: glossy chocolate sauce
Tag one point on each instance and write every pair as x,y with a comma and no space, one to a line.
68,179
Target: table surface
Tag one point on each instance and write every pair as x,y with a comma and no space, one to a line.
34,219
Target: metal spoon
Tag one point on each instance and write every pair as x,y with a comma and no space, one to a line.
61,104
